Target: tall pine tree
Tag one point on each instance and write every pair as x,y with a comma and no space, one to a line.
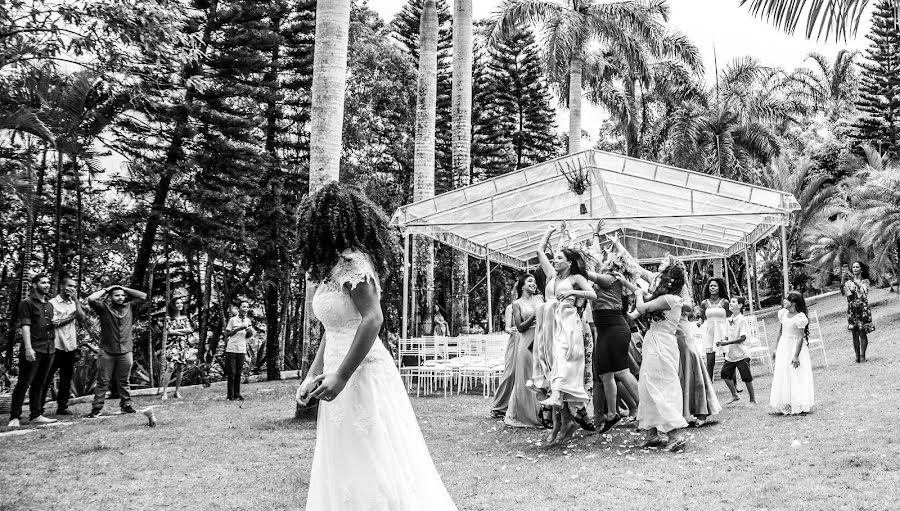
879,94
515,125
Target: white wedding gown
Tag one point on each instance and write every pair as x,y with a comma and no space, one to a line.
370,454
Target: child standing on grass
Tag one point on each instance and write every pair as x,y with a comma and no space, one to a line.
792,384
737,357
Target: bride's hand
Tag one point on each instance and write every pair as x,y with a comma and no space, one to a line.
332,385
303,392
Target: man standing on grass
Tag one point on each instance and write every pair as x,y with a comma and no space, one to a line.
67,310
35,354
116,343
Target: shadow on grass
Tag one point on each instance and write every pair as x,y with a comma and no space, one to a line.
286,424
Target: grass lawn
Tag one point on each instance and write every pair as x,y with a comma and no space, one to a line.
208,453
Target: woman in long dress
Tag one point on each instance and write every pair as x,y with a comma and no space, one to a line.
504,390
699,400
178,350
859,315
370,454
567,284
792,383
659,388
522,411
714,320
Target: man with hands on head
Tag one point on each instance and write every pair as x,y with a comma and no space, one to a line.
116,342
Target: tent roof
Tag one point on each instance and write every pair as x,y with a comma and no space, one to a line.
655,208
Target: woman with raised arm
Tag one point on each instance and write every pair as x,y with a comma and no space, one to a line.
660,408
370,453
567,283
698,395
522,411
610,357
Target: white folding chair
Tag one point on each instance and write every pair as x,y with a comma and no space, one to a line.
758,344
816,341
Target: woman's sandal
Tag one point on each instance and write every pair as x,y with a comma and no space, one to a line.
608,424
653,442
582,419
677,445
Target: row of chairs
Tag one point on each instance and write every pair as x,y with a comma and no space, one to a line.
444,364
759,347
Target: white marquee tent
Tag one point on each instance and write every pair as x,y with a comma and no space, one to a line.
656,209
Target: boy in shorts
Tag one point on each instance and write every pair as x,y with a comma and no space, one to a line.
737,358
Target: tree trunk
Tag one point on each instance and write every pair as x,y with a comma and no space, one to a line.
273,346
328,89
326,129
205,316
174,156
57,225
423,158
461,104
575,94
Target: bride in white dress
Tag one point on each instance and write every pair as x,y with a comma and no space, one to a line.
370,453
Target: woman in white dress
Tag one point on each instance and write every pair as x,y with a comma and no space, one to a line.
370,453
659,388
567,283
792,384
714,315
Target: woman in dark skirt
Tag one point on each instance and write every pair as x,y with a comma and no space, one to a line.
610,356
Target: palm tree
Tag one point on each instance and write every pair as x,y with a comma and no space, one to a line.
877,206
423,158
641,89
572,28
829,86
328,86
840,19
829,243
461,107
733,130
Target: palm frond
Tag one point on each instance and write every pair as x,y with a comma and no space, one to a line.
823,17
26,121
515,13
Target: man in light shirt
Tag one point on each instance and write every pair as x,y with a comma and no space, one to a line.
66,310
238,330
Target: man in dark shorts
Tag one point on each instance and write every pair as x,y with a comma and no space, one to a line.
116,343
35,354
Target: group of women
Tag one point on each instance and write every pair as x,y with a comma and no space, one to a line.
581,336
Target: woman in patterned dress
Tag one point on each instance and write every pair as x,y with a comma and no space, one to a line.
178,350
859,316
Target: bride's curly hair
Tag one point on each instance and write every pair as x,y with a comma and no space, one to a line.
338,217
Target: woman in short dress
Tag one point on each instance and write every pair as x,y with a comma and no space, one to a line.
859,315
178,350
714,315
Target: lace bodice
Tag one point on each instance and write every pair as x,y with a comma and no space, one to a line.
672,315
334,307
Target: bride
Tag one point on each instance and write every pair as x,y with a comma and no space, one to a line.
370,453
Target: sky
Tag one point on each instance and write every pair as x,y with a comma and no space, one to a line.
719,24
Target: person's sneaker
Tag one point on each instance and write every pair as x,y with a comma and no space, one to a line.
13,423
239,398
63,411
177,395
40,419
95,412
128,409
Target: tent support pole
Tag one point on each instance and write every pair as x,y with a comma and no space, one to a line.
749,280
725,273
784,260
490,309
406,270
